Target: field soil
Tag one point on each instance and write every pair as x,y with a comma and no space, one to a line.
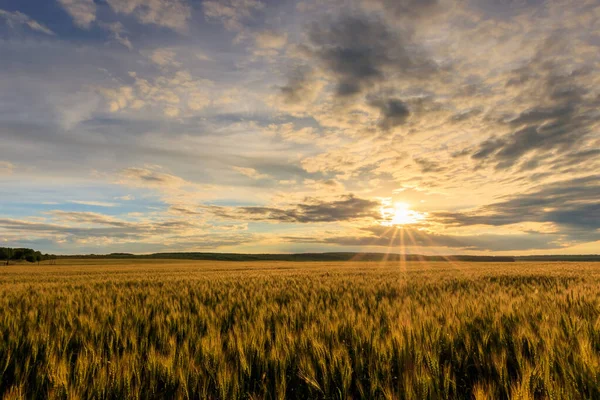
128,329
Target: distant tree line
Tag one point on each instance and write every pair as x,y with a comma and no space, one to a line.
331,256
8,254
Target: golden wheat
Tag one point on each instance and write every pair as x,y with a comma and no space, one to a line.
275,330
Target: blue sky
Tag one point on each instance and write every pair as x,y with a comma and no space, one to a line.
432,126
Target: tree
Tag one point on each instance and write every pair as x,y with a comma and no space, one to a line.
4,254
18,254
9,254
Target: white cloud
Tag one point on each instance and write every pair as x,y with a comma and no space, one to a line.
94,203
127,197
83,12
13,18
289,133
178,95
164,57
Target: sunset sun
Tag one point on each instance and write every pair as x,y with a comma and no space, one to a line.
400,214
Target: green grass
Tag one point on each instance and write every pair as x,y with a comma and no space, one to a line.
273,330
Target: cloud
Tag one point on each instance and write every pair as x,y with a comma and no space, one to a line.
301,89
346,208
358,51
118,33
113,229
184,211
288,132
6,168
404,8
323,185
176,95
509,8
559,113
80,230
94,203
147,177
350,159
250,173
232,13
172,14
127,197
270,40
428,166
407,239
573,205
83,12
164,57
18,18
392,112
90,218
172,190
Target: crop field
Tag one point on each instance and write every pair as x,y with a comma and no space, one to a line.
121,329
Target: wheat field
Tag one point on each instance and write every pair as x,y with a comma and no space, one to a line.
123,329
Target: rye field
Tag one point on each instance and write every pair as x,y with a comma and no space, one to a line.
127,329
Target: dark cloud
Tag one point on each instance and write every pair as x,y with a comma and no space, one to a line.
392,112
574,205
184,211
577,157
400,239
487,148
347,208
540,129
358,51
427,166
560,116
300,86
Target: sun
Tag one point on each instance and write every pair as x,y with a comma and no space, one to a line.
401,214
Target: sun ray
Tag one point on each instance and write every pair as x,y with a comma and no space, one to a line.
402,252
456,266
390,245
359,256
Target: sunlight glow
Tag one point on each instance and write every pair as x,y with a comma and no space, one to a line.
400,214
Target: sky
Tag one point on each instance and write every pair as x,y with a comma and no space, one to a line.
417,126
